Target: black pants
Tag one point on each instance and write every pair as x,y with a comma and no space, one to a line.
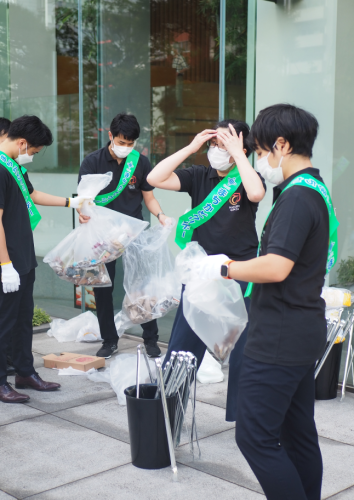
105,312
183,338
276,431
16,313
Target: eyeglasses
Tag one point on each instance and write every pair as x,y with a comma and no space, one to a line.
211,144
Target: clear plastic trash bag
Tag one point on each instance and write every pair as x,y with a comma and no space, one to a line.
336,297
103,239
150,283
214,309
210,371
123,374
83,328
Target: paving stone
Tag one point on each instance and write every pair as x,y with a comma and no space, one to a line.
214,394
334,419
74,391
130,483
42,344
338,462
343,495
221,458
110,418
46,452
5,496
10,413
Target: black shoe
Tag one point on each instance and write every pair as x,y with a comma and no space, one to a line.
10,369
152,349
108,348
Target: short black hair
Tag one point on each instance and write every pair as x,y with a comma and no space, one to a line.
125,125
297,126
4,125
239,126
32,129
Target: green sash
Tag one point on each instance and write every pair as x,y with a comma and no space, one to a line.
205,211
16,173
128,171
308,181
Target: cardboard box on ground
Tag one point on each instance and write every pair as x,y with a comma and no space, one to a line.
81,362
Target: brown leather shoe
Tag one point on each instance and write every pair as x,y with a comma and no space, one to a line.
35,382
9,395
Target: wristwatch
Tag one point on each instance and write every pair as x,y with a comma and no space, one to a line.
224,270
158,215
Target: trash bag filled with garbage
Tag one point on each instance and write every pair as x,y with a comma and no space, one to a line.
102,239
150,283
214,309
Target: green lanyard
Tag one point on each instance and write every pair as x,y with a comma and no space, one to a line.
208,208
128,172
308,181
16,172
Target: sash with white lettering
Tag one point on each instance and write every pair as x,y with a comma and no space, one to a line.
208,208
128,172
308,181
16,172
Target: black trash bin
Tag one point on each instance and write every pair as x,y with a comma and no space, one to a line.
147,430
326,384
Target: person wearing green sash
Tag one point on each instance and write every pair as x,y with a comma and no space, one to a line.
19,216
125,194
224,200
275,428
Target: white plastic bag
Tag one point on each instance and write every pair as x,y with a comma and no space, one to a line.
82,328
123,374
150,283
186,261
210,371
336,297
214,309
103,239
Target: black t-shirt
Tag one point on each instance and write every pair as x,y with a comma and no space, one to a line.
231,230
287,323
129,202
16,222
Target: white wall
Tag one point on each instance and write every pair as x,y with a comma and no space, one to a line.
296,63
343,153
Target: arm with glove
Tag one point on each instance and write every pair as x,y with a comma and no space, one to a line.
9,276
50,200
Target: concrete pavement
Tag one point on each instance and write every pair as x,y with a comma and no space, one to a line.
74,444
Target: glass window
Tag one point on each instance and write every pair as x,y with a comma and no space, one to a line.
157,59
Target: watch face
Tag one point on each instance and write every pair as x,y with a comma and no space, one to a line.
224,271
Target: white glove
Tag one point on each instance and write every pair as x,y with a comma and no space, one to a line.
78,201
10,278
209,268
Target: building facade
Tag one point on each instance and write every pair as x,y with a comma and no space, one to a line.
178,66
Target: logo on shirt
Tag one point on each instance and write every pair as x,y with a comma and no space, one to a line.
132,182
235,198
234,202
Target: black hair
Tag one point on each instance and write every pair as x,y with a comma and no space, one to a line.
125,125
4,126
32,129
239,126
295,125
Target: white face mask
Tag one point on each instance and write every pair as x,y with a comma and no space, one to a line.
23,159
273,175
219,159
121,151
